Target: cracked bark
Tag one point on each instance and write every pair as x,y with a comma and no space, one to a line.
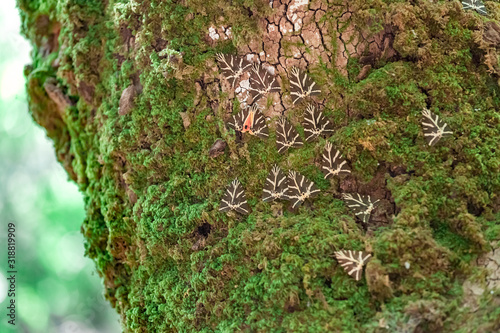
297,35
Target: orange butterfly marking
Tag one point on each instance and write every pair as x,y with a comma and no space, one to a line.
248,123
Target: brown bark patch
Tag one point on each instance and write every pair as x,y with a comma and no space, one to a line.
127,100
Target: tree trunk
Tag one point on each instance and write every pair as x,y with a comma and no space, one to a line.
133,97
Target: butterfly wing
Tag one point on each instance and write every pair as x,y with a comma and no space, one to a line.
226,202
310,127
352,262
236,122
301,86
333,163
286,136
300,188
434,128
232,67
476,5
308,188
240,202
294,193
262,83
259,127
361,205
275,186
315,124
235,199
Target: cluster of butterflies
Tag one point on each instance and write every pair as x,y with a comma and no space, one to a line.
295,187
298,188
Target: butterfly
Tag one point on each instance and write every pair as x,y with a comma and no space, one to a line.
234,199
352,262
434,128
315,123
333,165
250,120
300,188
286,136
301,86
276,186
361,205
232,67
476,5
262,83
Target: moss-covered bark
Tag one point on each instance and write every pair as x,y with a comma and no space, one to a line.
130,93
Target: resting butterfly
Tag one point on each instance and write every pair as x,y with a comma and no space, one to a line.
232,67
300,188
250,120
234,199
316,124
476,5
434,128
301,86
262,83
333,164
361,205
353,262
286,136
276,186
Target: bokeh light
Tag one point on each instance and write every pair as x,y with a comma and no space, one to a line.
57,289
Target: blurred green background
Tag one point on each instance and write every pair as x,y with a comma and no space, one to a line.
58,289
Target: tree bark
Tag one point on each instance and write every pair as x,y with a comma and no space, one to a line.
133,97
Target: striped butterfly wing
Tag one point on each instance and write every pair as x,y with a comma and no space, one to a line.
361,205
232,67
258,125
276,186
352,262
316,124
300,188
237,121
234,199
262,83
434,128
333,163
286,136
301,86
476,5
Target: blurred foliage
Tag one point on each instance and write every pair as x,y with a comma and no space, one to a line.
57,288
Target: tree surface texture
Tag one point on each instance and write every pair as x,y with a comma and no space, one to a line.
133,97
